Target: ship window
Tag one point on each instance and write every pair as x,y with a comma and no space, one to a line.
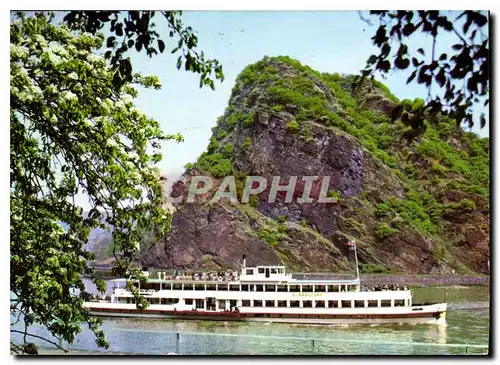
261,270
171,300
156,286
282,288
244,287
188,301
294,304
346,303
307,304
385,303
333,288
270,303
211,286
359,303
282,303
188,287
307,288
343,288
177,286
246,303
222,287
352,287
319,288
257,303
270,287
249,271
333,304
234,287
200,304
199,287
167,286
372,303
320,304
294,288
259,287
399,303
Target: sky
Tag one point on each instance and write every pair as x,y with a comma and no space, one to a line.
328,41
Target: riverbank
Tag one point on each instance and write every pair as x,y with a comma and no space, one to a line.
424,280
381,279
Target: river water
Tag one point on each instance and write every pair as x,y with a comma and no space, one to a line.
468,323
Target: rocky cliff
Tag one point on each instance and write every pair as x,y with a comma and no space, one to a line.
413,206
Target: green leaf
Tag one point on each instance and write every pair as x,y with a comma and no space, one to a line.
161,45
110,42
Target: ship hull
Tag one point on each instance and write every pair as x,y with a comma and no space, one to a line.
430,315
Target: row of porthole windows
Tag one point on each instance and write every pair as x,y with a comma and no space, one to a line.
290,303
252,287
322,303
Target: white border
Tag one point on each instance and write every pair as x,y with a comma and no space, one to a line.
192,5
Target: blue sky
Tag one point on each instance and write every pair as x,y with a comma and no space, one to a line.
329,41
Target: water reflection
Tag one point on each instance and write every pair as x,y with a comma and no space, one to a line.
467,322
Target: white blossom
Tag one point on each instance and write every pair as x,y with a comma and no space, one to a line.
68,95
18,51
126,98
133,155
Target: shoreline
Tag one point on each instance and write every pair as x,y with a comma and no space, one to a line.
425,280
381,279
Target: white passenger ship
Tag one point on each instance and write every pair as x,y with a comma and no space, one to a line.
268,294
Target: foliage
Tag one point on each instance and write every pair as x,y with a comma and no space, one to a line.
273,233
246,143
333,194
414,214
384,230
443,157
383,210
189,166
254,201
228,150
371,268
221,135
352,223
248,119
439,252
467,63
293,126
464,205
137,29
216,164
73,131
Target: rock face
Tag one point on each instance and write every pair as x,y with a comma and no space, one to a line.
203,235
285,119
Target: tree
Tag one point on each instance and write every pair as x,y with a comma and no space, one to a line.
74,129
136,29
461,74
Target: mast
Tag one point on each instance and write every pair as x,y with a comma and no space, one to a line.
356,257
352,246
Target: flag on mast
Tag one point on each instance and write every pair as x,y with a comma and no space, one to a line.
351,244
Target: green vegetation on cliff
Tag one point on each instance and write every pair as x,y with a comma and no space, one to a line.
444,171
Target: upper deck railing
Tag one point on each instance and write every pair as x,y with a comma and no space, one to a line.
203,277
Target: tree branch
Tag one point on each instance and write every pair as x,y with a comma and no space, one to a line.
39,337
